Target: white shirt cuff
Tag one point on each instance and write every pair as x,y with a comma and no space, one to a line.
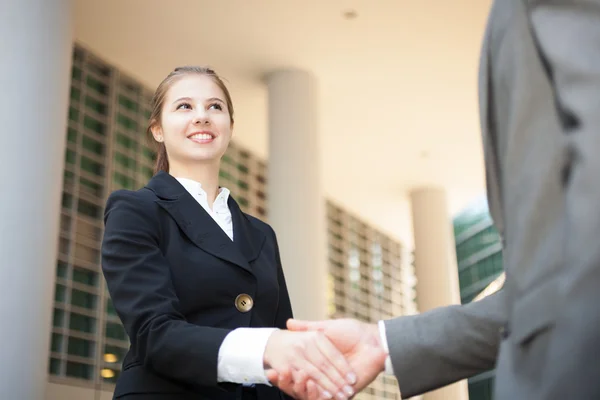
389,368
241,356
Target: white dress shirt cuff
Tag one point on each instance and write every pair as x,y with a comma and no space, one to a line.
241,356
389,368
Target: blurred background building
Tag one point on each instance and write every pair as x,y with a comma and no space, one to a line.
356,135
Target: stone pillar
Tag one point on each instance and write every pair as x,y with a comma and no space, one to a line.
36,49
296,202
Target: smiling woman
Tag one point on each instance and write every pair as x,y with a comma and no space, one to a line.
197,283
167,104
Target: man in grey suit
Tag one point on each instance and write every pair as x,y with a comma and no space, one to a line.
540,117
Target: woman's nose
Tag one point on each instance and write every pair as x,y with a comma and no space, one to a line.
201,119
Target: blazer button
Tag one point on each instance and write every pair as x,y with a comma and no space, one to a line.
244,303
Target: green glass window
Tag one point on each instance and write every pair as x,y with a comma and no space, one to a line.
91,166
68,176
75,94
243,201
56,343
58,318
76,73
78,370
124,161
73,114
60,293
126,142
96,85
54,366
94,125
225,175
89,209
98,69
96,105
242,168
83,299
123,181
61,269
131,87
91,187
85,276
80,347
110,308
128,103
71,135
149,154
67,200
115,331
82,323
242,185
127,122
92,145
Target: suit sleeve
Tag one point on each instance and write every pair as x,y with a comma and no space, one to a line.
445,345
138,280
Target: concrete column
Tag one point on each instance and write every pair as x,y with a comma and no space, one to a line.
35,71
435,265
296,203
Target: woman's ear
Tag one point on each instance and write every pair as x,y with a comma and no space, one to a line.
157,133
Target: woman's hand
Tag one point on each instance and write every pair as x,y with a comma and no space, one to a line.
310,356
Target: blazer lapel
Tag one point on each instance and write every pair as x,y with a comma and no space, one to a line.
486,113
248,239
194,221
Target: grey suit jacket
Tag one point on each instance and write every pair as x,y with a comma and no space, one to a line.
539,89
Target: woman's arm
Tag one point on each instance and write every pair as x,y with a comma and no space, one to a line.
138,279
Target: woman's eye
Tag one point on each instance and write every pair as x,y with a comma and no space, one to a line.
185,106
216,106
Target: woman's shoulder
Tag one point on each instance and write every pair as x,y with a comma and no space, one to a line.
260,224
141,200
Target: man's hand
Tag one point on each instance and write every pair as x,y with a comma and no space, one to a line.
359,342
310,355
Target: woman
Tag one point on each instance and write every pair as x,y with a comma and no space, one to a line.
197,283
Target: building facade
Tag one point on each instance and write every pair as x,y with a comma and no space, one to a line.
107,149
479,255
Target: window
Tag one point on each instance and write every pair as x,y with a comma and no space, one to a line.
83,299
94,125
128,103
92,145
73,114
90,187
78,370
91,166
85,276
78,322
80,347
56,343
127,122
115,331
96,85
75,94
89,209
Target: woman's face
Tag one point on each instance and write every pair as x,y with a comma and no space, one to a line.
195,123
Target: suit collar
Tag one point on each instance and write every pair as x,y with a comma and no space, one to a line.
200,227
490,148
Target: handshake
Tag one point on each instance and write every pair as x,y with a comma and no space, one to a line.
324,359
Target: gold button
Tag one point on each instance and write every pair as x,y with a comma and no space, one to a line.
244,302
